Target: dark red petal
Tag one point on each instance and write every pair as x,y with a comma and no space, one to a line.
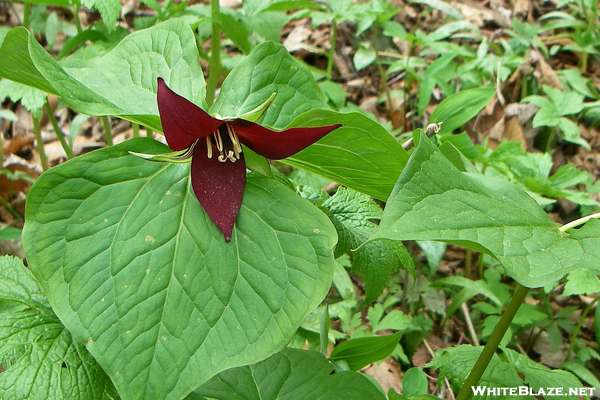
219,186
278,144
182,121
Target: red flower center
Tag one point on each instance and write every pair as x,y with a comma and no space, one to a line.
225,142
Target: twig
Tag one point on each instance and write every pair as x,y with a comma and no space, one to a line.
446,381
431,130
465,311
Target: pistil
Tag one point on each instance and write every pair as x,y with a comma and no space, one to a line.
226,151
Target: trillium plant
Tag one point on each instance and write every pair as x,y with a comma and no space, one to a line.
218,170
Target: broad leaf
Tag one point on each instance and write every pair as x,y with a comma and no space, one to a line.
361,154
269,69
109,10
136,270
122,82
435,201
41,359
352,213
377,260
363,351
289,375
457,109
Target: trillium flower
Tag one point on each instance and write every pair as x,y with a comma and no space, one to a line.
218,171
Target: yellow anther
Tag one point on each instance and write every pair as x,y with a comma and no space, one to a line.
234,140
218,140
208,147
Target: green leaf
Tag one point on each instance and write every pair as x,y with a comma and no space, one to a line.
363,351
537,376
122,82
30,98
479,287
235,30
269,69
136,270
10,233
457,109
353,211
378,260
565,102
109,10
414,382
582,373
582,281
361,154
41,358
395,320
435,201
289,375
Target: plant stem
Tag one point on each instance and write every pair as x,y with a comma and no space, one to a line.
578,222
26,12
490,347
215,55
332,48
39,142
382,76
136,130
76,19
468,256
10,209
579,324
59,134
149,133
107,132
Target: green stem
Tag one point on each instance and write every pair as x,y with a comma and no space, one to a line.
149,133
490,347
579,324
107,132
468,256
26,12
215,55
583,62
382,76
578,222
332,49
136,130
39,142
59,134
11,209
76,19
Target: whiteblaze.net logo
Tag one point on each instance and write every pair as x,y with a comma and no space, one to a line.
527,391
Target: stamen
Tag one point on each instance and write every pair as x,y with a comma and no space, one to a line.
208,147
218,140
234,139
222,158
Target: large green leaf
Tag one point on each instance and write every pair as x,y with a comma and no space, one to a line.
41,359
433,200
361,154
289,375
137,271
269,69
122,82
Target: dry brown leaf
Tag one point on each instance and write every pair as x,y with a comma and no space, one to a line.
387,373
